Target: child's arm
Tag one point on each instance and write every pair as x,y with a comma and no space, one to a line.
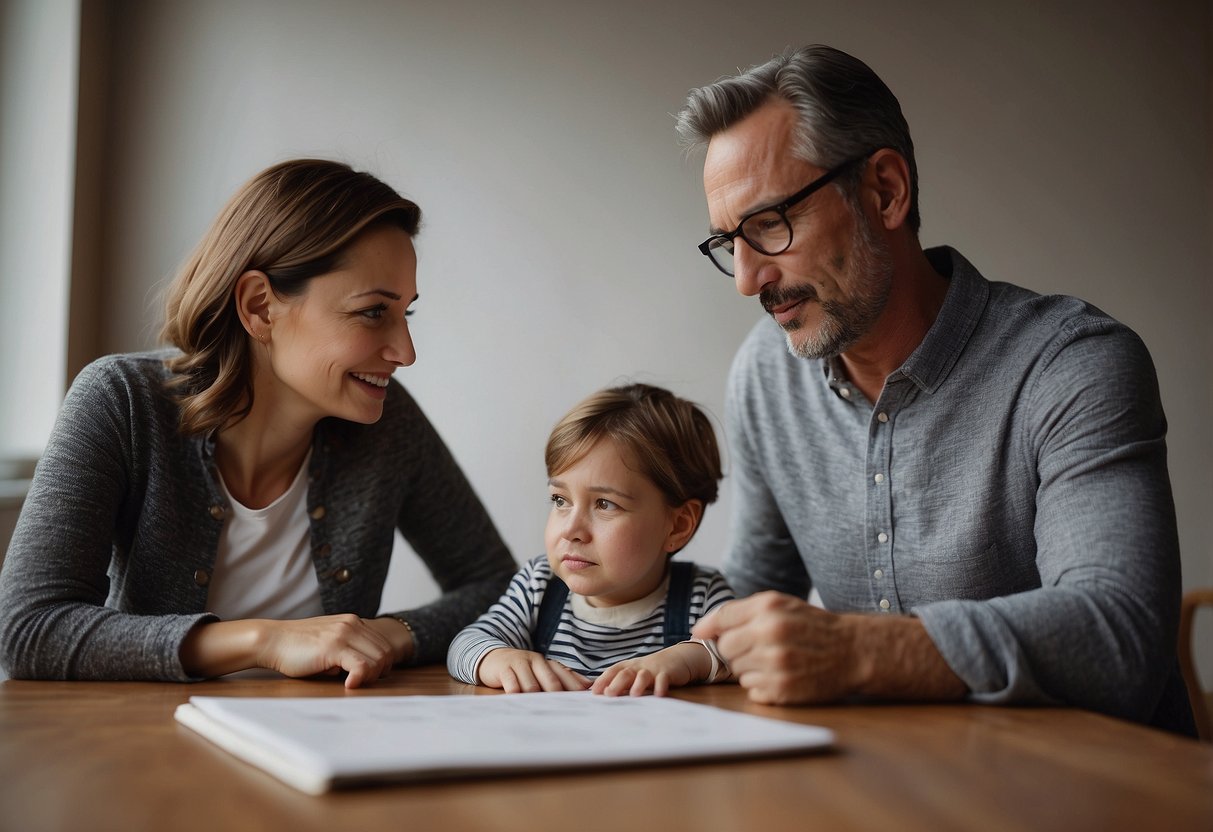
495,649
682,664
525,671
504,625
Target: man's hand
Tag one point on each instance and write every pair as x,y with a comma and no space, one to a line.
523,671
672,667
785,652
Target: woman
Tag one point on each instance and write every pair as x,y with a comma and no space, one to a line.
230,503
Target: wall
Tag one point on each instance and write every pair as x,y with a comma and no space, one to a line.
38,72
1063,149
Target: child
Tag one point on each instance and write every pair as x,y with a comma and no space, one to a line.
630,471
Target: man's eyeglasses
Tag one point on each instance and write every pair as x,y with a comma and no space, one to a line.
767,230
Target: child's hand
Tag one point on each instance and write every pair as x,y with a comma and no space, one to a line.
672,667
522,671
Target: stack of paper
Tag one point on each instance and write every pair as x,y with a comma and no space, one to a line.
320,743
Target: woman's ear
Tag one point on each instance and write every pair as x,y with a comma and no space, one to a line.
686,521
890,178
253,296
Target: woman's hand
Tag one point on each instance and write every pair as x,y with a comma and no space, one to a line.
523,671
672,667
328,644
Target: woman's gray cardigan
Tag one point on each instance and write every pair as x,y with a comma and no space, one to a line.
108,566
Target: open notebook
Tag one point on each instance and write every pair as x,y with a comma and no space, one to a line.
316,744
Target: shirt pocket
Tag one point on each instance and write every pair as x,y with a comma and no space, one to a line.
960,573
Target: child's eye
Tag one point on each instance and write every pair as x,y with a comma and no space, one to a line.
558,501
605,505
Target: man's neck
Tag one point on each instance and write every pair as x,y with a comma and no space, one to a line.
915,298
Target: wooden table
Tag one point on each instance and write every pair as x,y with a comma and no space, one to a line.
108,755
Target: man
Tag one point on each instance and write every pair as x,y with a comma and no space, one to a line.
971,475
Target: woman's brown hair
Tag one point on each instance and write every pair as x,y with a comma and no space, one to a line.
293,221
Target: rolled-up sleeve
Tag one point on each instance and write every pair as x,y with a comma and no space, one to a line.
1099,632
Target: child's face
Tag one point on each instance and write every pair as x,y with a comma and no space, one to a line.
610,529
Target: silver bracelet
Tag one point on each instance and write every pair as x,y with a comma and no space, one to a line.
717,662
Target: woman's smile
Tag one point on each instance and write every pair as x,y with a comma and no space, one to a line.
375,384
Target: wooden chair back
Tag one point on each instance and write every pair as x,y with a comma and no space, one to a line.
1202,700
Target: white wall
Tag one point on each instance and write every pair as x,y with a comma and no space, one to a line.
1065,150
38,40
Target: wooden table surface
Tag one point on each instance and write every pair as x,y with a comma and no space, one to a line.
108,755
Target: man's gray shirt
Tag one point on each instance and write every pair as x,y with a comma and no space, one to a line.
1009,488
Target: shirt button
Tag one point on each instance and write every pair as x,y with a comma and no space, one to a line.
845,391
882,537
342,575
882,416
216,512
317,513
323,550
201,577
884,603
879,478
878,574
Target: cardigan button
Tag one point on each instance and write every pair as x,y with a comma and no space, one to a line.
317,513
201,577
217,512
342,575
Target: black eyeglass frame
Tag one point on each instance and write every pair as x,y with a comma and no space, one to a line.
780,208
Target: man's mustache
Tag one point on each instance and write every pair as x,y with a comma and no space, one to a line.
772,299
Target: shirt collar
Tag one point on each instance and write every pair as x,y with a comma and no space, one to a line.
963,305
621,616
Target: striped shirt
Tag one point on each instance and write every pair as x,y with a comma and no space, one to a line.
588,639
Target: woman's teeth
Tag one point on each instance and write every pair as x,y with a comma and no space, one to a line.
378,381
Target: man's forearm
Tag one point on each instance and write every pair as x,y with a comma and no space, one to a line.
894,658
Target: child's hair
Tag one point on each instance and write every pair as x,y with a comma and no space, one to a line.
669,439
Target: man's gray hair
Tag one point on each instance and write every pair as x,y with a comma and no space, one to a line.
845,110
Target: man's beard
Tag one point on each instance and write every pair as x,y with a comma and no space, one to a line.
847,320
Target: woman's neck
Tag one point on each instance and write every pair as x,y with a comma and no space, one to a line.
259,456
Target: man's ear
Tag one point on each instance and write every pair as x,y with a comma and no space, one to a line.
253,297
889,176
686,521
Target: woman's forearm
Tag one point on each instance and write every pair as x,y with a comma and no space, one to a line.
216,648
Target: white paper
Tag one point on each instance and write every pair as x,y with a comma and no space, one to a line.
317,743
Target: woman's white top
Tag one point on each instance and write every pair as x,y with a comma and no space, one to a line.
264,565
